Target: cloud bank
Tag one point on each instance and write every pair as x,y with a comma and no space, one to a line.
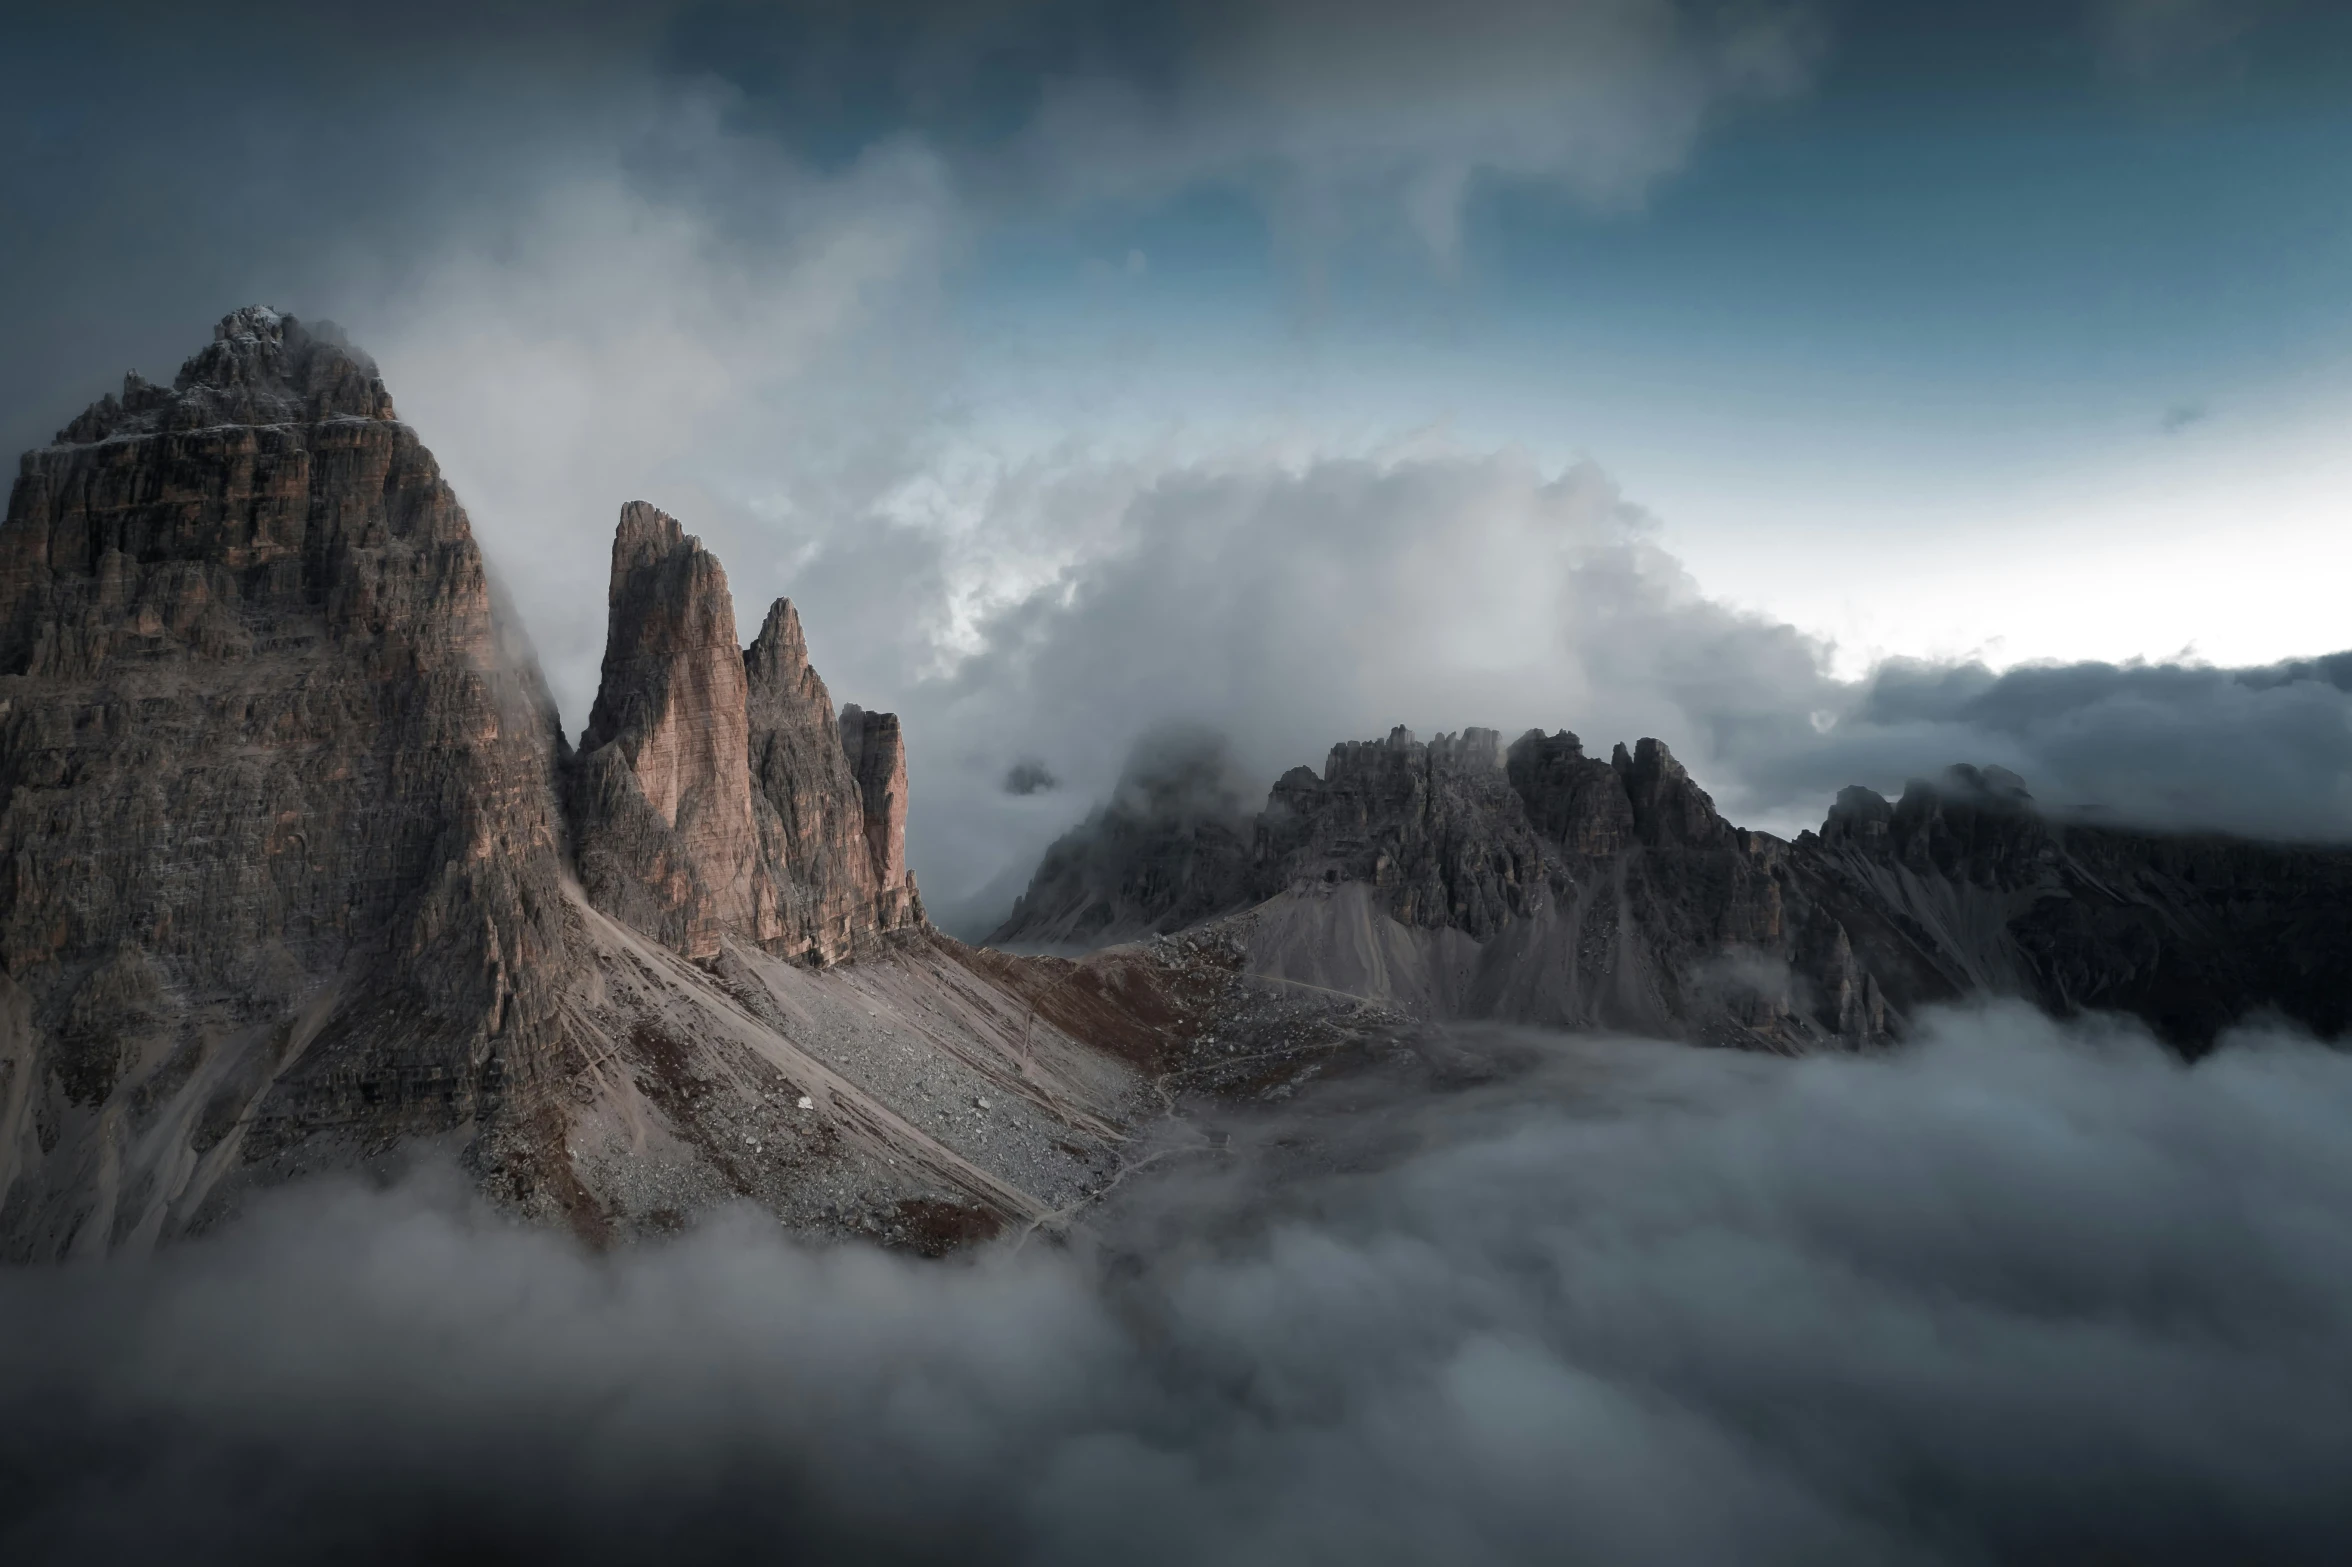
1293,603
2020,1293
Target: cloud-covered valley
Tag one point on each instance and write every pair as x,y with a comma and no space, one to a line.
2019,1292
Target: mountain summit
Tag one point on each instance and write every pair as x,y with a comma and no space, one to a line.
303,871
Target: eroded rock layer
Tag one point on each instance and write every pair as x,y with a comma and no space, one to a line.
662,793
283,863
287,884
715,794
1542,885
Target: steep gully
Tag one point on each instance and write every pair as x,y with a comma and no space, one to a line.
303,874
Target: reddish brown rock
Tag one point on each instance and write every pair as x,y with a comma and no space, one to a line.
716,796
661,799
816,836
282,871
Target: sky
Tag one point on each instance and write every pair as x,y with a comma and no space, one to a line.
1834,390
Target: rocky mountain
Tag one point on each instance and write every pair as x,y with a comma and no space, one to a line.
1458,879
301,873
695,820
1170,847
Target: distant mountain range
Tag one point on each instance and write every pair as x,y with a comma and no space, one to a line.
1460,879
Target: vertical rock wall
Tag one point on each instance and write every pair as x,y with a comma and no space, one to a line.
715,794
282,858
877,757
662,795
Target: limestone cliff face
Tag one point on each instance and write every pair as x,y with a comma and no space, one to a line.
1963,886
1173,845
1433,827
877,757
715,795
662,797
283,864
835,892
283,858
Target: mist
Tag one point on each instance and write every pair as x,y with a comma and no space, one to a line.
2019,1291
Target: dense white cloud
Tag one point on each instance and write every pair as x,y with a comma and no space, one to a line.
2017,1293
1295,602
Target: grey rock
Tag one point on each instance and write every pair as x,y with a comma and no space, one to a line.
1554,888
1172,846
290,884
284,859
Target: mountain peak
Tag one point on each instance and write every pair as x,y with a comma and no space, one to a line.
262,367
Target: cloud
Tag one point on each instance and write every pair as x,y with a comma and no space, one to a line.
2263,752
1293,603
2021,1293
1335,108
1029,776
615,261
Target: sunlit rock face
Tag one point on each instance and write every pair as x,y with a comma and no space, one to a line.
283,844
662,800
715,792
877,758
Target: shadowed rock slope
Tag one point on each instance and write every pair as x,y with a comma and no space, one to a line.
284,866
1537,884
291,884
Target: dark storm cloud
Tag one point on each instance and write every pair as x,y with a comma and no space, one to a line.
1029,776
168,163
616,258
2017,1293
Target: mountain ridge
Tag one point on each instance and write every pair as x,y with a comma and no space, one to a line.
303,873
1461,879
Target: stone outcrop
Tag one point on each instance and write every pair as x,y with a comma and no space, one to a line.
1433,828
1962,887
715,794
1547,886
877,759
812,809
299,868
283,859
662,787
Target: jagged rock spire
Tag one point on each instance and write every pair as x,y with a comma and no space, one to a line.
304,879
663,802
715,796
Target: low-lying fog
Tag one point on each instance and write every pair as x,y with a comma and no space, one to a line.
2021,1292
